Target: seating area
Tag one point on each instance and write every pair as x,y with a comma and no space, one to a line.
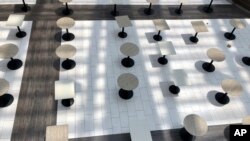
124,76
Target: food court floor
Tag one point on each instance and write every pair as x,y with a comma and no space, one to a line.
98,67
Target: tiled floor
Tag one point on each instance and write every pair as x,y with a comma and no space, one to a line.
134,2
98,110
7,35
17,1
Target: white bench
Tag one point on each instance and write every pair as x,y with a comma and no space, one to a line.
139,130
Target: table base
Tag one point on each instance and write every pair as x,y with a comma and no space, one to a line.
67,12
127,62
122,34
222,98
14,64
174,89
208,67
229,36
68,64
124,94
162,60
68,36
26,8
68,102
178,11
114,13
246,61
186,136
208,10
6,100
148,11
21,34
157,37
193,39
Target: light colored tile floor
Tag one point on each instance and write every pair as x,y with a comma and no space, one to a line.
7,35
144,2
17,1
98,110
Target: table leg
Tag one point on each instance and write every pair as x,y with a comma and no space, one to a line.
208,9
246,60
174,89
149,10
68,36
122,34
25,7
114,12
230,35
222,98
179,11
194,38
68,102
208,67
163,60
68,64
124,94
127,62
20,34
6,100
14,64
67,11
157,37
185,136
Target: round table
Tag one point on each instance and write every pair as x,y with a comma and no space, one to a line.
231,87
127,82
5,99
236,23
215,55
129,49
8,51
194,125
246,120
65,52
66,23
66,11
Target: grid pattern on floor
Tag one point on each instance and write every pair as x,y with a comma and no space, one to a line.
98,110
144,2
7,35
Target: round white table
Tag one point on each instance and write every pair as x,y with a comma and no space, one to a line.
65,52
127,82
194,125
8,51
129,49
231,87
66,23
5,99
66,11
215,55
237,24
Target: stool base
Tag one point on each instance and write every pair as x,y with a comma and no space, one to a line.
68,102
124,94
208,67
222,98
